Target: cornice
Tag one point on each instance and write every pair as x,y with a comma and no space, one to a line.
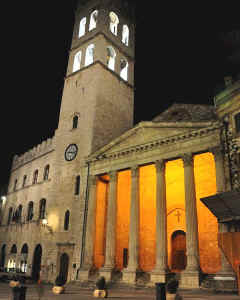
154,144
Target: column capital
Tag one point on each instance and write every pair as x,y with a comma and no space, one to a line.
160,165
217,152
187,159
135,171
113,175
92,180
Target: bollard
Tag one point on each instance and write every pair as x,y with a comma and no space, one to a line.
160,291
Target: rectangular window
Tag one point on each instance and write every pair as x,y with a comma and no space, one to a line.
237,122
77,185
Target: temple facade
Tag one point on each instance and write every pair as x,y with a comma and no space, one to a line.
105,197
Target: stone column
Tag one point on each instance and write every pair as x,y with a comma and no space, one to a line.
129,274
90,230
219,166
190,276
160,270
109,265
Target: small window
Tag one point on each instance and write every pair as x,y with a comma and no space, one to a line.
124,69
66,220
125,35
111,55
77,61
93,20
114,21
35,176
77,185
15,185
24,180
46,172
75,122
30,211
82,27
10,215
89,58
237,122
42,209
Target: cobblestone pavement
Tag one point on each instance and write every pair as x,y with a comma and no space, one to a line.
32,294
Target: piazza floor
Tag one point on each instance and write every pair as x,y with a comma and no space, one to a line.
33,294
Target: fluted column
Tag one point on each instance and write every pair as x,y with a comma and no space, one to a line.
160,270
129,274
90,230
190,277
219,166
109,265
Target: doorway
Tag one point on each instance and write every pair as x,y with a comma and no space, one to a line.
36,265
2,258
64,263
178,254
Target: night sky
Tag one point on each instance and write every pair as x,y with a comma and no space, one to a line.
180,57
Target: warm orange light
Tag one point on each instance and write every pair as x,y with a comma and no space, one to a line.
101,213
205,182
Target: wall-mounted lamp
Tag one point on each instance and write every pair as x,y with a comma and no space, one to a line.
45,224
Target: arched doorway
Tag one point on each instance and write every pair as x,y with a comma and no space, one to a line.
24,256
2,258
64,262
36,265
178,254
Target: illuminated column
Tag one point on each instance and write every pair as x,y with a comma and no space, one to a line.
129,274
109,265
219,165
190,277
90,230
160,270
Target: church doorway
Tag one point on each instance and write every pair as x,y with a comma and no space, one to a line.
64,262
36,265
178,254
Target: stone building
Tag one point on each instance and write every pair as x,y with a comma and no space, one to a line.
103,196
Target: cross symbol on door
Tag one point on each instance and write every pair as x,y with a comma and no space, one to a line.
178,215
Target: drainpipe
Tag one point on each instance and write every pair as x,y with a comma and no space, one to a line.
85,217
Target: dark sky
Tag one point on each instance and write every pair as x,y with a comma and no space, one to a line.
179,58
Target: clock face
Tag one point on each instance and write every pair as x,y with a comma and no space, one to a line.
71,152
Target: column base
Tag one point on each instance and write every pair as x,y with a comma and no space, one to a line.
189,279
83,274
106,272
129,275
158,276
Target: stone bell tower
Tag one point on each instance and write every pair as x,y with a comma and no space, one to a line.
97,104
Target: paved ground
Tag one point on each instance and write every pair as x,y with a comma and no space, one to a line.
32,294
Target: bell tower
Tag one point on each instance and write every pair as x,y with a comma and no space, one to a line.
97,106
98,91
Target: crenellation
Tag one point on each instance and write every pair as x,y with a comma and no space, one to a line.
37,151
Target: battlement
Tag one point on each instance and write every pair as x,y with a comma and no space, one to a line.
37,151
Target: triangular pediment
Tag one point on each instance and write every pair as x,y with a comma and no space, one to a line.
147,132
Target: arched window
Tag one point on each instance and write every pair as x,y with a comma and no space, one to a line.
13,249
18,214
111,55
82,27
30,211
124,69
15,185
35,176
10,212
66,220
77,185
42,209
114,21
46,172
89,58
24,256
75,122
24,180
125,35
77,61
93,20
